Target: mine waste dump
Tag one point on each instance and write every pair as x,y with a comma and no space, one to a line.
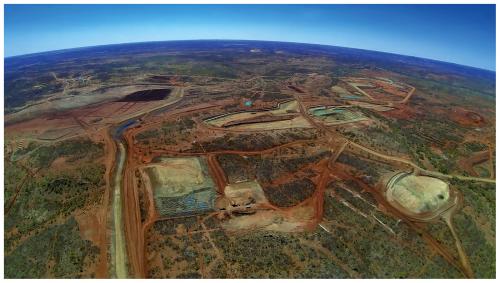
147,95
418,194
336,115
181,185
284,116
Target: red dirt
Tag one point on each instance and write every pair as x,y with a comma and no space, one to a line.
217,172
152,217
39,125
319,195
89,226
110,149
135,232
492,166
132,220
137,253
467,118
402,111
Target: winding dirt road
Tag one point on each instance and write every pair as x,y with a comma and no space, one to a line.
135,230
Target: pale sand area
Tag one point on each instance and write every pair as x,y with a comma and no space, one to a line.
297,122
174,177
419,194
245,190
267,220
340,90
284,108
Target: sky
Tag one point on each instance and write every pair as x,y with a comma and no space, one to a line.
462,34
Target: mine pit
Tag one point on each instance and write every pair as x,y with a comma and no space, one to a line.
147,95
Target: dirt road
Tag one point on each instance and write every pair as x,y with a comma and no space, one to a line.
410,94
417,227
120,252
464,260
135,231
217,172
422,170
126,223
492,166
27,175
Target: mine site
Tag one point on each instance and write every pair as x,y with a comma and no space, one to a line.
166,168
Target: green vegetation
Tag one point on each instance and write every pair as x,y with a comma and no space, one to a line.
41,234
169,133
258,255
175,250
208,69
270,168
235,167
57,252
13,174
21,90
23,151
480,197
420,138
471,92
374,170
264,254
43,200
73,149
480,252
256,141
291,193
475,225
48,185
385,255
275,96
475,146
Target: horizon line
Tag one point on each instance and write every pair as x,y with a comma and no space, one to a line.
218,39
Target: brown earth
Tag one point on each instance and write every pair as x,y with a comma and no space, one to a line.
467,118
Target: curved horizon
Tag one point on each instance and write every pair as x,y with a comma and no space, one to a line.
255,40
457,34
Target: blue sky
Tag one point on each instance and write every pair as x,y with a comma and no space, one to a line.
463,34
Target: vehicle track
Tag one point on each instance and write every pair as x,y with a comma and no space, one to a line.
217,172
419,169
135,235
127,226
463,266
417,227
120,251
